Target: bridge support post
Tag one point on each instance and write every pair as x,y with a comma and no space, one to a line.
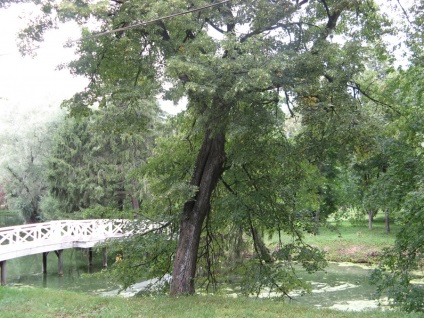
45,262
104,252
90,257
59,254
3,272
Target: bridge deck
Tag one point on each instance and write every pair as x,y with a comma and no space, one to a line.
29,239
30,248
17,241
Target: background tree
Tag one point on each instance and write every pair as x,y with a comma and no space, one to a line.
24,159
3,201
93,157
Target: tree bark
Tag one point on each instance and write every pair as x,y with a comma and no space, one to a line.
236,252
135,203
34,216
261,248
316,222
370,219
387,221
120,198
208,169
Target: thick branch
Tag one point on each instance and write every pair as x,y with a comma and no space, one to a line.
404,12
271,28
288,103
214,26
326,8
21,180
357,86
164,33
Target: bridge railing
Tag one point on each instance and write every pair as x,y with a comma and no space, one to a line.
74,230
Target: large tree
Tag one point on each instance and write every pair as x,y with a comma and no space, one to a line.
231,59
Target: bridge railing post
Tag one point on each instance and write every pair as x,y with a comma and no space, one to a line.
55,229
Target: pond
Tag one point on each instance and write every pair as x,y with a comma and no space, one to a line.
342,286
27,271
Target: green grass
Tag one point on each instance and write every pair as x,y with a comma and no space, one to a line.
32,302
349,243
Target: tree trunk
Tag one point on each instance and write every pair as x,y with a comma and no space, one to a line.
120,198
208,169
134,199
370,219
316,222
260,246
34,215
32,218
135,203
387,221
237,245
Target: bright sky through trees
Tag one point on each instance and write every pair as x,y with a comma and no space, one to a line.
35,84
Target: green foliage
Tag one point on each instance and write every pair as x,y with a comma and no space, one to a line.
23,166
93,158
266,280
167,171
51,209
145,256
102,212
260,279
403,262
402,186
7,3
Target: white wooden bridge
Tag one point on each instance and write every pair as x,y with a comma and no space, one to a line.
29,239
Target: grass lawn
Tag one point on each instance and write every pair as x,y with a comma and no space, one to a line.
349,243
32,302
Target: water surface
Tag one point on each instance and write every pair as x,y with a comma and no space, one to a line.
342,286
27,271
